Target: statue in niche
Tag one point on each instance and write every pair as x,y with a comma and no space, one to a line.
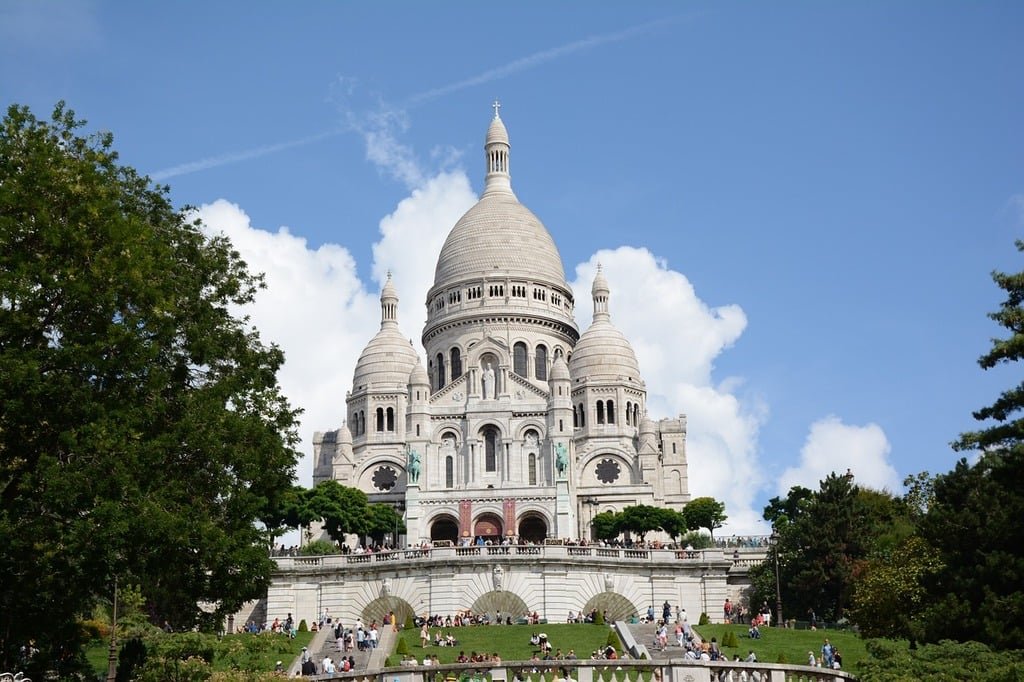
413,464
487,381
609,584
561,459
531,439
385,588
498,576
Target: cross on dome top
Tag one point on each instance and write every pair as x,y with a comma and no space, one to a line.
496,105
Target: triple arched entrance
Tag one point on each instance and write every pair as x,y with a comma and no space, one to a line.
531,527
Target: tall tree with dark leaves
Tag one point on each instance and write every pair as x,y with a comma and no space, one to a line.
142,429
974,521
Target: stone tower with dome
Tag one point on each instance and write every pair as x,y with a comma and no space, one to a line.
518,426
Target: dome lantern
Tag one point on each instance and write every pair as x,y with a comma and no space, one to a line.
496,150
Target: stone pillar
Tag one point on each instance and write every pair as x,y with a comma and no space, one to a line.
565,514
465,519
413,531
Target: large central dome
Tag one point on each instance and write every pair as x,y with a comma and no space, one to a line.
499,236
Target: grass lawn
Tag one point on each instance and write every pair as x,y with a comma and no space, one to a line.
231,652
511,642
794,644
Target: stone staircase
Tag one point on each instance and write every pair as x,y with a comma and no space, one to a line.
324,644
644,633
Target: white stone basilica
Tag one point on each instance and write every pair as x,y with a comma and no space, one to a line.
519,426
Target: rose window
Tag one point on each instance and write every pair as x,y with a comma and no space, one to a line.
608,471
384,478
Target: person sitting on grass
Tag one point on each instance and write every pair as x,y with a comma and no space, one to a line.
754,632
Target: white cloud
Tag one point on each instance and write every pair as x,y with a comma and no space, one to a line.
412,235
833,446
314,307
677,337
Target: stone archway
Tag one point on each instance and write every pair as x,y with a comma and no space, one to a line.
533,528
382,606
508,604
616,606
444,527
488,526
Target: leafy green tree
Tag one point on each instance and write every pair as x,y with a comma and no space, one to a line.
639,519
673,523
889,590
705,512
384,521
974,520
605,525
822,537
142,430
342,510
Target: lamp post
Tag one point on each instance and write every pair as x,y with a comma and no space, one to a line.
774,542
112,653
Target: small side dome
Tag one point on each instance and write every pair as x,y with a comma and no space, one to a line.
386,361
603,352
388,357
419,377
646,425
559,370
344,435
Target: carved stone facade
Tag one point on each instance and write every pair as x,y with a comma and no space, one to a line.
509,385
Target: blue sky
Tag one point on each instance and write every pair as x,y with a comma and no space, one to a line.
798,204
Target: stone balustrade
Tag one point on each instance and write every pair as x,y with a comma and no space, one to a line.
675,670
511,553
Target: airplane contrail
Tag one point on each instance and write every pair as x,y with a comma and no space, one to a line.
234,157
538,58
497,73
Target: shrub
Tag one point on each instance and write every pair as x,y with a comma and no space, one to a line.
613,640
318,548
93,629
131,659
729,639
782,658
186,645
599,618
302,626
704,620
410,624
403,647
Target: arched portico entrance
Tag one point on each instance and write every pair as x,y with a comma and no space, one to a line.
533,528
488,526
445,528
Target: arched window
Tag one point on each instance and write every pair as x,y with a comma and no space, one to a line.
600,412
490,449
417,429
673,448
449,472
561,425
636,414
629,411
380,419
558,352
583,416
456,363
611,411
519,359
541,363
532,465
391,419
575,418
440,371
361,424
